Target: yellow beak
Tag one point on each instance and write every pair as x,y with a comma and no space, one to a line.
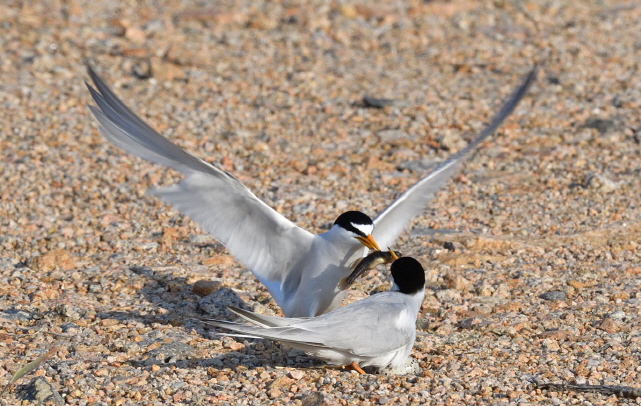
394,256
369,242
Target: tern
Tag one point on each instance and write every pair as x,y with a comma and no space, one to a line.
378,331
302,271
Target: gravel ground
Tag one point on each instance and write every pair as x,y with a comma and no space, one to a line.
544,279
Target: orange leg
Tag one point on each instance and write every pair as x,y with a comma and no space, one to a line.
354,366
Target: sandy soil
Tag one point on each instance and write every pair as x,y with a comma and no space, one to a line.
544,280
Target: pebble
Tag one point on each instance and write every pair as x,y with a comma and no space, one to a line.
602,183
297,374
316,399
215,304
618,315
19,315
390,136
417,166
44,392
169,353
603,126
204,287
379,103
553,295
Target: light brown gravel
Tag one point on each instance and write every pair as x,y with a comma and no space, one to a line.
273,91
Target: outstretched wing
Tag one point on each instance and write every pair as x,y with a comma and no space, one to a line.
389,224
256,235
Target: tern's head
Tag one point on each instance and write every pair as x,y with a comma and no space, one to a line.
409,275
358,225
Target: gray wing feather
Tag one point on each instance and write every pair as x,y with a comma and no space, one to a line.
368,327
256,235
365,328
114,102
389,224
263,320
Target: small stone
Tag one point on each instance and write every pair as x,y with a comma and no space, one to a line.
448,295
349,10
147,246
141,66
618,315
44,392
316,399
69,328
485,289
609,326
452,141
68,312
469,323
374,162
621,296
601,125
7,263
444,330
262,22
576,284
219,260
387,136
215,304
200,239
165,71
417,166
555,334
55,259
553,295
204,287
232,344
17,315
297,374
551,344
169,353
379,103
135,35
274,393
456,282
602,183
109,322
281,382
502,291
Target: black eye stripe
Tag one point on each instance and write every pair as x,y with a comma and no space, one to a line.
355,230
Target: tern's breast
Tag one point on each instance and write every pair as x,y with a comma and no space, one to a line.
320,273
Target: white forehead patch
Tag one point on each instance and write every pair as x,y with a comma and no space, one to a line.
364,228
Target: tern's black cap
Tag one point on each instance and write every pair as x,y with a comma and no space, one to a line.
409,275
348,219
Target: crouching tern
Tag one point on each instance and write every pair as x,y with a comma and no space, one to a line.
377,331
300,270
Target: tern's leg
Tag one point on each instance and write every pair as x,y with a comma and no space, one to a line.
354,366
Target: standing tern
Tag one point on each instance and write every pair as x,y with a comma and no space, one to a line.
377,331
301,270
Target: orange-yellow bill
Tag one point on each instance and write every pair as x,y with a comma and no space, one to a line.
369,242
